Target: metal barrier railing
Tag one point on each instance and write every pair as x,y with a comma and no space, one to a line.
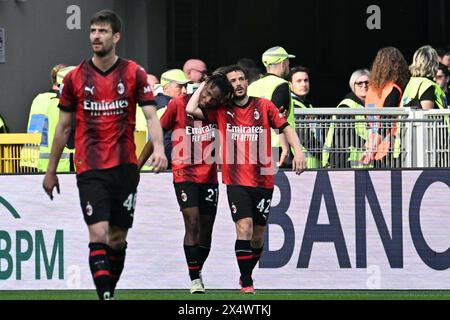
408,138
19,152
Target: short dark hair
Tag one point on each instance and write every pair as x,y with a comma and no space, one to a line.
444,69
109,17
233,68
221,81
294,70
246,63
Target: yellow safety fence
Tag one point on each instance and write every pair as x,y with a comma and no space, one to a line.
19,152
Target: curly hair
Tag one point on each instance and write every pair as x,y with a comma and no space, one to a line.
220,81
389,66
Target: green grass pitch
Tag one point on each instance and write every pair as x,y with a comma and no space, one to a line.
231,295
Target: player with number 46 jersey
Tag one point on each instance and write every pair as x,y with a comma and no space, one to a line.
102,92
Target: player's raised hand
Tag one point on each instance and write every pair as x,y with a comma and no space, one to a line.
50,182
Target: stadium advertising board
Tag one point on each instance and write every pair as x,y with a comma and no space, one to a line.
327,230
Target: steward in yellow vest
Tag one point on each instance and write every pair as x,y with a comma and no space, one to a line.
310,140
275,88
417,87
353,147
43,118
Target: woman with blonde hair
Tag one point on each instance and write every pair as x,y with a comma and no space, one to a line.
421,91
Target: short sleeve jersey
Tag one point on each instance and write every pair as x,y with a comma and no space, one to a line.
105,107
246,151
193,144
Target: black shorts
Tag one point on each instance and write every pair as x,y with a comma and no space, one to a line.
203,196
250,202
109,195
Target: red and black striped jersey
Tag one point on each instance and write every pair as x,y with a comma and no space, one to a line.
247,152
105,108
193,144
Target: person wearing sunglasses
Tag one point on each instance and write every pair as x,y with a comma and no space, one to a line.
351,154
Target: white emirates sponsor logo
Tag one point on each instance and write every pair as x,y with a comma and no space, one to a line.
244,129
198,134
244,133
200,130
105,108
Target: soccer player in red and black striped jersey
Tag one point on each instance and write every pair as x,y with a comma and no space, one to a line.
194,168
248,168
103,92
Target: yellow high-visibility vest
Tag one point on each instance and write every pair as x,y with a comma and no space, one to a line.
45,105
264,88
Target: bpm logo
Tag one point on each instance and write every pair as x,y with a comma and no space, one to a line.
21,248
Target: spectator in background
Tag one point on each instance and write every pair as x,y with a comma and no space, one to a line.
196,71
274,87
442,79
173,84
41,101
43,117
153,81
251,69
359,84
388,79
300,86
310,135
444,58
348,152
421,91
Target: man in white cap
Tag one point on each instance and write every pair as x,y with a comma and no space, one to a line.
274,87
173,84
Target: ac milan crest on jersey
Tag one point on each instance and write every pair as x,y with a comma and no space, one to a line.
104,103
193,144
256,114
120,88
246,151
